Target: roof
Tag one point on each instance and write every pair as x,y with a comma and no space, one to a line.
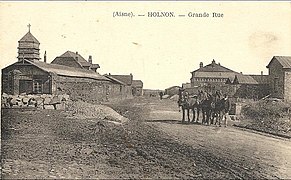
127,79
114,79
173,87
186,85
214,67
28,37
244,79
261,79
137,83
72,55
95,66
66,71
285,61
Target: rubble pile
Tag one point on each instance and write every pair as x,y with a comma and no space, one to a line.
83,110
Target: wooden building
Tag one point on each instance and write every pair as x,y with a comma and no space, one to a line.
280,77
68,74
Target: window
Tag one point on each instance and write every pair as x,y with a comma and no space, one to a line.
37,86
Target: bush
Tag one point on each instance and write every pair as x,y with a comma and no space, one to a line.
268,116
263,110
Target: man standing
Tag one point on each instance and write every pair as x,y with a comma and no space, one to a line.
161,95
226,106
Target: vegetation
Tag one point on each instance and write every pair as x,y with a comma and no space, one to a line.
268,116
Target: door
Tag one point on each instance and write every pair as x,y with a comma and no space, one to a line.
25,86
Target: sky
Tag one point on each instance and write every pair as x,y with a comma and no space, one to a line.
159,51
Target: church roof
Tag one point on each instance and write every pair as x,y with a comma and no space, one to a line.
285,61
214,67
28,37
67,71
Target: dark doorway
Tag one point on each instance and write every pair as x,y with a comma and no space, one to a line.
25,86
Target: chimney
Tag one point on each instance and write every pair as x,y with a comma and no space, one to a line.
90,59
44,57
201,64
76,52
109,74
213,61
262,73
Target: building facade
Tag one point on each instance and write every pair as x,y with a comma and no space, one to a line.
69,74
280,77
212,76
137,88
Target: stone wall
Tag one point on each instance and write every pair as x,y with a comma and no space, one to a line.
43,101
89,90
287,87
276,77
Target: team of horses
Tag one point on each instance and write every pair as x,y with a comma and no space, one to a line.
212,107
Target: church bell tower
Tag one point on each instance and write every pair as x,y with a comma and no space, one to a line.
28,47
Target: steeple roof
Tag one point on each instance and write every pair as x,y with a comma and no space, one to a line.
28,37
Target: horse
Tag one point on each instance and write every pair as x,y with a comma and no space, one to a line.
184,103
215,107
206,109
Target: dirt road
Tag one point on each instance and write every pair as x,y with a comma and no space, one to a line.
240,152
153,144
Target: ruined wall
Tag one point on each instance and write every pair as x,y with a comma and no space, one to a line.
89,90
287,87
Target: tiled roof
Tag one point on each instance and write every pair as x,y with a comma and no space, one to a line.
244,79
261,79
137,83
127,79
67,71
80,60
285,61
213,67
114,79
28,37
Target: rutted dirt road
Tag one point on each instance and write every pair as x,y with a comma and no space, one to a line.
153,144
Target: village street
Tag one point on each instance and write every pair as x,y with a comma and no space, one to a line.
152,144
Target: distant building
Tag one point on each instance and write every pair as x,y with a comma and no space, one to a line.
137,88
75,60
127,80
248,86
213,76
172,90
186,85
280,77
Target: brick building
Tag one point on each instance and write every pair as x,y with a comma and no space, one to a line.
137,88
213,76
280,77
